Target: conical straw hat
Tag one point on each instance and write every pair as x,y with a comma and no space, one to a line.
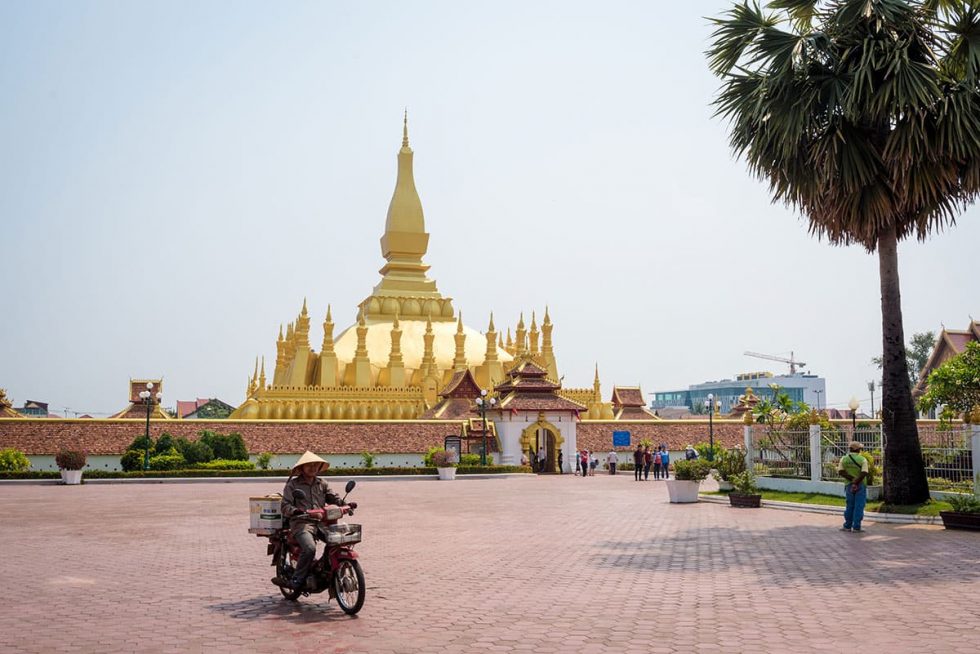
309,457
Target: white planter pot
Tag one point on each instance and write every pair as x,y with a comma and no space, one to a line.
71,477
447,474
682,491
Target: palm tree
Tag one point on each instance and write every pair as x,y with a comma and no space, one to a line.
865,116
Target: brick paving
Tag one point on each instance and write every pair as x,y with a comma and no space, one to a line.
557,564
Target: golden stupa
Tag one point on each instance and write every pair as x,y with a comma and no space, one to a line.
406,344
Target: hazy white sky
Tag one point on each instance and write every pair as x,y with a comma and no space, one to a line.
176,176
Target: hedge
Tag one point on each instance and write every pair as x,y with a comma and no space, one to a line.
331,472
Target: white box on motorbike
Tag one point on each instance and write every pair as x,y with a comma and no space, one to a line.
265,514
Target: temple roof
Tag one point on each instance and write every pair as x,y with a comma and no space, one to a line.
627,396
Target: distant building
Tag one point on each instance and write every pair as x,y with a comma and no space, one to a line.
34,409
203,409
949,343
800,387
137,407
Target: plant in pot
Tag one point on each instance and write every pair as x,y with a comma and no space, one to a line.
70,463
445,463
965,513
745,494
688,475
729,463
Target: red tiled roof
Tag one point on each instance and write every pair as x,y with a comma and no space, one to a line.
627,396
527,368
462,384
538,402
525,385
636,413
450,408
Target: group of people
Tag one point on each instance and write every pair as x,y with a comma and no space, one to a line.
644,459
585,463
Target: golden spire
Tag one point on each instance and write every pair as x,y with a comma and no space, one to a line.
255,374
395,357
262,375
547,348
327,334
520,341
428,364
491,342
510,342
534,334
459,361
361,351
405,240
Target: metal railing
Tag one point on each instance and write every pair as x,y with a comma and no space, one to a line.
948,457
834,446
781,453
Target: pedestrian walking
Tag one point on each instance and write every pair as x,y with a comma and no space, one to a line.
593,464
542,459
638,463
854,468
647,462
690,453
665,461
561,464
611,460
584,462
658,462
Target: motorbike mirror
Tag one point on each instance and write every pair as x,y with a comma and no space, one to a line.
350,486
298,495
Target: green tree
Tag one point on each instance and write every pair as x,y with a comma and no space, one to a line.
865,116
916,355
955,385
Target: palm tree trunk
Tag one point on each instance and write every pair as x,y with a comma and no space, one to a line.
904,473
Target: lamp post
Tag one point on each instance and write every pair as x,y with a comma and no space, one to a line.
483,403
709,404
147,397
817,393
853,404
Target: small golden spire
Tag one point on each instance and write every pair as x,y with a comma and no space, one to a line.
262,375
280,332
491,328
303,312
459,323
394,324
405,130
360,317
547,318
329,318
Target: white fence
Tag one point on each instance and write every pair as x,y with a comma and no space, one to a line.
808,460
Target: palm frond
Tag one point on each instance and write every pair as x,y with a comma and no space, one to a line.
734,34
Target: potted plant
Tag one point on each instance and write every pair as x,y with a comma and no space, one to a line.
688,475
445,463
729,463
70,463
745,494
965,513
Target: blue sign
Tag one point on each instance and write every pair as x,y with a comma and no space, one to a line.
621,439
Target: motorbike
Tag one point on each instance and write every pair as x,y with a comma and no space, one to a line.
336,571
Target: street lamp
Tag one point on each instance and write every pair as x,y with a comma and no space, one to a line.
817,393
483,404
709,404
147,397
853,404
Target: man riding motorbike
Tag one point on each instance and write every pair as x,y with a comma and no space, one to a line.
305,514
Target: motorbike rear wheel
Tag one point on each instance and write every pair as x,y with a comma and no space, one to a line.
286,570
348,582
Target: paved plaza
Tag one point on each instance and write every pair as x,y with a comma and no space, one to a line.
535,564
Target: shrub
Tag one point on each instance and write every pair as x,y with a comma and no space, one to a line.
170,461
744,483
704,448
367,459
165,443
472,460
730,463
225,446
427,459
131,460
140,442
264,459
225,464
197,452
964,503
70,459
694,470
13,460
444,459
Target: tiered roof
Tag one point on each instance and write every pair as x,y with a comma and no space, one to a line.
527,388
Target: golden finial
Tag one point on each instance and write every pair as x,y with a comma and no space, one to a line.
255,374
534,322
360,317
394,325
303,312
597,372
491,328
280,331
547,318
520,323
405,130
329,318
459,323
428,324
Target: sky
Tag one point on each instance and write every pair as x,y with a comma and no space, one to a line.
175,178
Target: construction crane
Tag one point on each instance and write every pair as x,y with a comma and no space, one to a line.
793,363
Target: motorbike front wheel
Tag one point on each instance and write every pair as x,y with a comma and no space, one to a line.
348,583
286,570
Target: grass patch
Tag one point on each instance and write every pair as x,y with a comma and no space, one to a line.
929,508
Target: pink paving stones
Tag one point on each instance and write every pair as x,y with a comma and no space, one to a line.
499,565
